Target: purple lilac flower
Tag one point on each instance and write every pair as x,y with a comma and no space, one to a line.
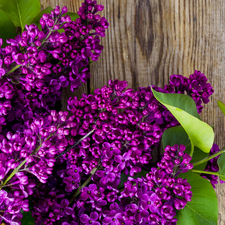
121,142
90,220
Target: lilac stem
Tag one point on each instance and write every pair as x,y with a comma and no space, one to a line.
207,172
74,145
84,184
210,157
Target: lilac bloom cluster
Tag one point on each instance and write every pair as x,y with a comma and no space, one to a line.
153,199
124,127
31,154
195,86
122,142
212,166
38,64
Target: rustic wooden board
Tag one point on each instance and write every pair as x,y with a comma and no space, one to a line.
148,40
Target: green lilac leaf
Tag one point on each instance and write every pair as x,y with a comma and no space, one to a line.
38,17
27,219
7,28
221,164
184,110
21,12
73,16
92,91
177,135
203,208
180,101
221,106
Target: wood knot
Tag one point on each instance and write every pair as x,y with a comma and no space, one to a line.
144,27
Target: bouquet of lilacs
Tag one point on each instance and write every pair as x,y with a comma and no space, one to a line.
93,163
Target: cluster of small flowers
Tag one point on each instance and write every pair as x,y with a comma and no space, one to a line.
175,160
122,143
150,200
212,166
30,152
37,65
195,86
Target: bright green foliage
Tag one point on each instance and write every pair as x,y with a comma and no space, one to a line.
21,12
203,208
73,16
184,110
7,28
221,164
222,106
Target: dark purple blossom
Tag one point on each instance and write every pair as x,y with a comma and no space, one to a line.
90,220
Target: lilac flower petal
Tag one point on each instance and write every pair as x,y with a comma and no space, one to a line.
65,203
94,215
118,158
95,223
69,211
85,218
107,220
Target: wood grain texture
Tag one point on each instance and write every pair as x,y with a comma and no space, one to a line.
148,40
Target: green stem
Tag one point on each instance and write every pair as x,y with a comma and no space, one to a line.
72,146
83,185
192,150
17,66
43,41
209,157
12,70
14,172
206,172
21,164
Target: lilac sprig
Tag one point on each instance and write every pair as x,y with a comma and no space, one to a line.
30,152
38,64
195,86
121,142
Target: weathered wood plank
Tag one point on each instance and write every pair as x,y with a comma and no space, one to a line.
148,40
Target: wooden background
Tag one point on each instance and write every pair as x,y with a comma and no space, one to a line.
148,40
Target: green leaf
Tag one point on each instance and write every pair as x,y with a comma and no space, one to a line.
203,208
197,156
184,110
27,219
21,12
38,17
61,30
7,28
221,106
180,101
72,15
92,91
177,135
221,164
